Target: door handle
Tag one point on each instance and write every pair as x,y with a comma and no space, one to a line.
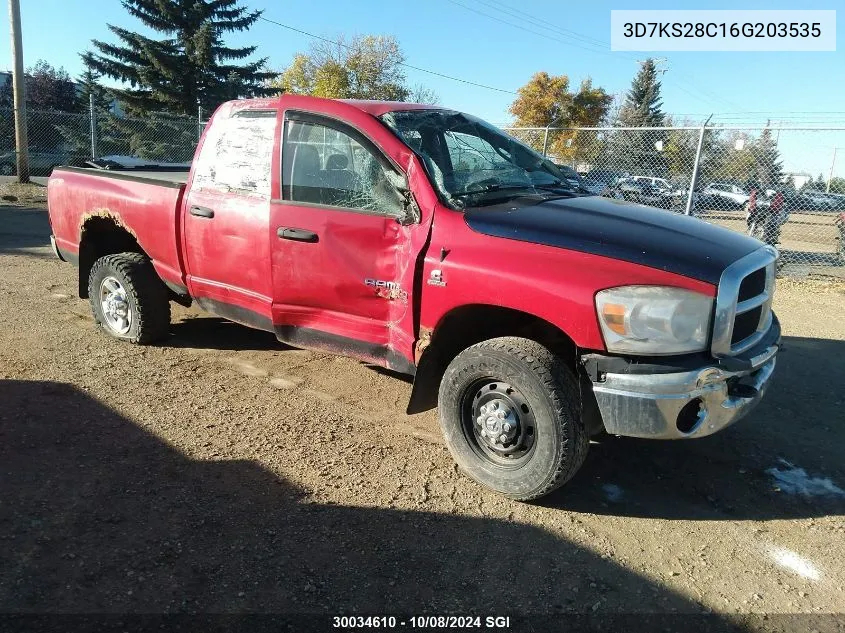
297,235
202,212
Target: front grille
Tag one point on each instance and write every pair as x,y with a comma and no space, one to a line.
743,303
753,285
746,325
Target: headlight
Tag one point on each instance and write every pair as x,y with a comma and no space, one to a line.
654,319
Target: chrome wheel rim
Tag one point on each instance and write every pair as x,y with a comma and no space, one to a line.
115,306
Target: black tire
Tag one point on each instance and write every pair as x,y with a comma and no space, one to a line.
144,295
548,417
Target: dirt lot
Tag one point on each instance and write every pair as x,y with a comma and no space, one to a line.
223,472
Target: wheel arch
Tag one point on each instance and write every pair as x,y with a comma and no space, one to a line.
102,235
467,325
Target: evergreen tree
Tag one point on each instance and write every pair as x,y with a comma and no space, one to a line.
190,65
643,105
769,167
637,152
88,85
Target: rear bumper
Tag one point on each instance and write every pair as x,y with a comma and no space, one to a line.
682,405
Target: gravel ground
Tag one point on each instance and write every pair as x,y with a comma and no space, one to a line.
224,472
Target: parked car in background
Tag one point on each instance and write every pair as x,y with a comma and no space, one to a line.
725,195
41,163
821,201
573,177
598,181
641,192
678,199
660,183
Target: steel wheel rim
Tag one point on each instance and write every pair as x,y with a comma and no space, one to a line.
488,407
117,312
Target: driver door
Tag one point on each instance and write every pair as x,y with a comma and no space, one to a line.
342,256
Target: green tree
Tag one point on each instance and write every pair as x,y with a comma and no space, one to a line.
189,64
643,104
768,170
837,185
638,152
366,67
88,85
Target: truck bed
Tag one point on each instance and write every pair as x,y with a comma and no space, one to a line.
176,177
142,204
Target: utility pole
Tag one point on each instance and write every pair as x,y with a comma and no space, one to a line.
832,164
19,90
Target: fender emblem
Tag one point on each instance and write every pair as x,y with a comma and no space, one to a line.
436,278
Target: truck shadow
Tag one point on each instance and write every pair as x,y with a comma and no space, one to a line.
720,477
729,475
24,231
98,515
210,332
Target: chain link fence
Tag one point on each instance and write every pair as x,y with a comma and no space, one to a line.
734,177
63,138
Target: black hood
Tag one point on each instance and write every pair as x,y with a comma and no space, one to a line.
613,228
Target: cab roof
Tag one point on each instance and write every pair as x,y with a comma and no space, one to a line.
375,108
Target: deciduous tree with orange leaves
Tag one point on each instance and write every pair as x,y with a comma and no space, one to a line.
547,101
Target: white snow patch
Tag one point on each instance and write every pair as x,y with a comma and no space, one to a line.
788,559
796,481
613,492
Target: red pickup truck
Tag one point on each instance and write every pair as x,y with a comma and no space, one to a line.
429,242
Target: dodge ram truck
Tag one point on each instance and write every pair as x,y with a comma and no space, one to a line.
429,242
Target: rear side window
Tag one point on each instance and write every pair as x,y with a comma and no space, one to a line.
237,153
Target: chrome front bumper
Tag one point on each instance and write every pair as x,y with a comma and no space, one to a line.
682,405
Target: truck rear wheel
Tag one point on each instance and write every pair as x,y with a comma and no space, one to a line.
128,299
510,416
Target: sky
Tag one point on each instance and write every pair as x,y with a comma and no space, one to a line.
501,43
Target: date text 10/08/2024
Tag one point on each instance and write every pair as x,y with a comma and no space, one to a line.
422,621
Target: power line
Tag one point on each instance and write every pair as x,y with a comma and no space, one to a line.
519,14
600,46
406,65
528,30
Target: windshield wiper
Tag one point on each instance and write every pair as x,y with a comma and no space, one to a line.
489,189
554,186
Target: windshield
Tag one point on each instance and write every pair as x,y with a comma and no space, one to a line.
471,162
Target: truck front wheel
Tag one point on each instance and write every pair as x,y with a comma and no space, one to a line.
128,299
509,410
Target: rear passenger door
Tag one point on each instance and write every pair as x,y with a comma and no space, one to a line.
341,243
226,216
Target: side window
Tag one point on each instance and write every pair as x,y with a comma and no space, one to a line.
236,154
326,166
